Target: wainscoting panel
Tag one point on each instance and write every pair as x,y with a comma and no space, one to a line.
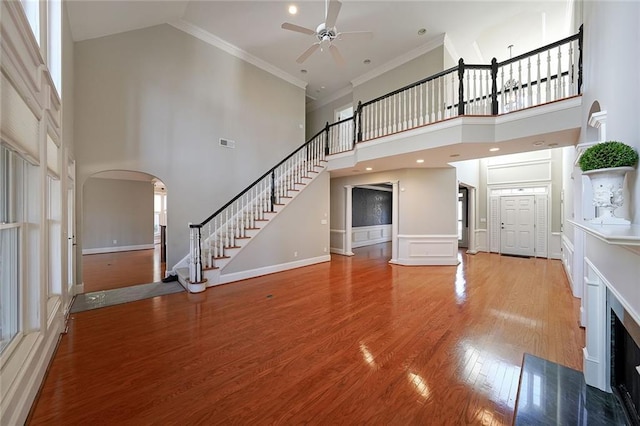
368,235
567,262
427,250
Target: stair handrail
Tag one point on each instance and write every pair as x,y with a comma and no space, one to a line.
357,136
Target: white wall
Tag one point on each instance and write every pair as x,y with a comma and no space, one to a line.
300,232
157,100
317,118
414,70
610,69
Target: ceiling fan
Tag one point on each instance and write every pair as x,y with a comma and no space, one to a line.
326,34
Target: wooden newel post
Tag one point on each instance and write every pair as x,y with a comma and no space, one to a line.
494,86
461,87
326,139
359,122
580,37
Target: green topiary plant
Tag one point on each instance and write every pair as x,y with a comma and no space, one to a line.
608,154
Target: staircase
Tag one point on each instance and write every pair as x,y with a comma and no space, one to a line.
220,237
545,75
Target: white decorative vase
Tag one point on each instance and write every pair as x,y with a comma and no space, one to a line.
608,193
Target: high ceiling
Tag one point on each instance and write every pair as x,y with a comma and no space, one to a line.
476,30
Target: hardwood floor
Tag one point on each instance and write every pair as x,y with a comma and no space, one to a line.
122,269
354,340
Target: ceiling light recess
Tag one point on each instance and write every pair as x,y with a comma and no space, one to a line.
419,161
369,169
494,149
293,9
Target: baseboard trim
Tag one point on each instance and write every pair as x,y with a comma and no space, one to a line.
426,262
335,250
117,249
272,269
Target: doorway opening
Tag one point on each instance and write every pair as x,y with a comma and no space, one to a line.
463,217
123,230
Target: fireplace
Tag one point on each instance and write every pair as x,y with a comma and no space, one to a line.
625,361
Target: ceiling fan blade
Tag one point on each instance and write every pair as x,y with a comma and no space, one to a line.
355,35
308,53
332,13
337,57
297,28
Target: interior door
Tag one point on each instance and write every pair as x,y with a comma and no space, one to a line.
517,216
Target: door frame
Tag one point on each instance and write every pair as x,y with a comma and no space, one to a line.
495,191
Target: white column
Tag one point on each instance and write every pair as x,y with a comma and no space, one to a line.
394,222
471,204
347,220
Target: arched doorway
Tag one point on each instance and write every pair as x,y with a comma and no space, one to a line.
124,215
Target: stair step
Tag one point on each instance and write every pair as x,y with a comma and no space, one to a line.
209,268
221,257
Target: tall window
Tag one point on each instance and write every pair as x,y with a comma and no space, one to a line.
32,10
54,42
12,196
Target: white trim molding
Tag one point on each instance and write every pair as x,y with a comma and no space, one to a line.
271,269
567,262
233,50
362,236
117,249
415,250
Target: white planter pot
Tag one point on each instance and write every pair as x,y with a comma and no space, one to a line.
608,193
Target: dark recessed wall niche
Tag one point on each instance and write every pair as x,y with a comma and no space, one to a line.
370,207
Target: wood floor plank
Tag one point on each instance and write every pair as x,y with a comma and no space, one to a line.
354,340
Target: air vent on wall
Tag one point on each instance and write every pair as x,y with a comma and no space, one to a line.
227,143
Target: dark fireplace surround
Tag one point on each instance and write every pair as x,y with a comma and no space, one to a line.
625,360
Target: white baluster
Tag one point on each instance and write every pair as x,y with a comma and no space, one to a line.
548,86
416,112
539,82
520,97
529,88
560,79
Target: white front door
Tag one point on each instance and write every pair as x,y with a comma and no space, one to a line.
517,232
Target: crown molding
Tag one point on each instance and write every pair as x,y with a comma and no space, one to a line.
315,104
400,60
233,50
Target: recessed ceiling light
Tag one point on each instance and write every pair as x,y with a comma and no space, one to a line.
494,149
293,9
369,169
322,87
366,61
553,144
303,71
538,143
454,155
420,161
422,31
